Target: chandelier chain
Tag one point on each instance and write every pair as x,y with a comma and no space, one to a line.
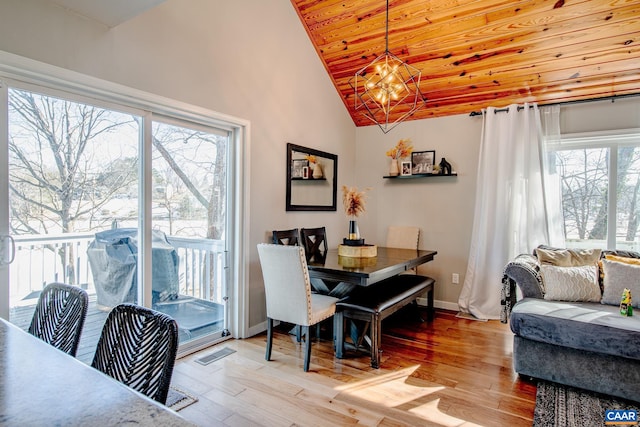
386,33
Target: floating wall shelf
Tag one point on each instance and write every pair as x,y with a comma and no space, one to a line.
420,175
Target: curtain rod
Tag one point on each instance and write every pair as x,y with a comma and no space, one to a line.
612,98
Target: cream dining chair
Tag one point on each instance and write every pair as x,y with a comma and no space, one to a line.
403,237
408,237
288,293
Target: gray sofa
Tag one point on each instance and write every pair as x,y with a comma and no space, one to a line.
588,345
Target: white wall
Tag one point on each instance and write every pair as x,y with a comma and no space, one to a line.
623,113
248,58
441,206
252,59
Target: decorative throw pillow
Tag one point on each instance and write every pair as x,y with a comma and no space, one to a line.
571,283
568,257
634,261
617,277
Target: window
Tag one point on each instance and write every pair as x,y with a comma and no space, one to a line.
599,175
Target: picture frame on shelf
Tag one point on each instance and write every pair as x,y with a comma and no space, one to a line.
297,166
422,162
305,172
405,168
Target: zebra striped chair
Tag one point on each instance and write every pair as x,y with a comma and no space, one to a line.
60,315
138,347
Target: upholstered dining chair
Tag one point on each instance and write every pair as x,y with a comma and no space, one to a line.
288,293
138,347
407,237
289,238
403,237
286,237
314,241
59,316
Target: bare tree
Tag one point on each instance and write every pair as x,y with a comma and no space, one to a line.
203,177
65,167
53,162
196,161
585,181
629,188
584,186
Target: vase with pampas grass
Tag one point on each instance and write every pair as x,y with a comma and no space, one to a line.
354,205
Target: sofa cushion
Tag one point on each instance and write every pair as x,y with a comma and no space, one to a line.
571,283
579,325
567,257
617,277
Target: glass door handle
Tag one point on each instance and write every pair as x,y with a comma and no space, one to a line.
12,246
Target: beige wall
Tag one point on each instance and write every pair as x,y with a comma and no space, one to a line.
441,206
252,59
599,116
248,58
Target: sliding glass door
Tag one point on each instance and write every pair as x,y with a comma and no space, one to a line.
189,206
78,194
73,179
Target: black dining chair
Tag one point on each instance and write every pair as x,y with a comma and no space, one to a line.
314,241
286,237
59,316
138,347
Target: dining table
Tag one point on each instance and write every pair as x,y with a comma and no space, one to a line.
43,386
337,275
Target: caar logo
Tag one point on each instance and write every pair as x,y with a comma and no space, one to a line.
621,417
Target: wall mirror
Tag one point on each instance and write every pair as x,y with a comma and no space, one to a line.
312,179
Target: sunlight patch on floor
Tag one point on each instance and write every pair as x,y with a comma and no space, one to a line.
390,389
430,412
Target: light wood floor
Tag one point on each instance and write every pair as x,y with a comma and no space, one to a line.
451,372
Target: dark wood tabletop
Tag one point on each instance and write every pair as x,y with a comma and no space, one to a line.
40,385
367,271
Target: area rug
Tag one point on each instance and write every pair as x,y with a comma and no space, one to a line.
563,406
179,399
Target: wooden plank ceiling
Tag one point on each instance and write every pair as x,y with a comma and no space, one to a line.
479,53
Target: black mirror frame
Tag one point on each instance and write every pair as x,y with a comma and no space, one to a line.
291,207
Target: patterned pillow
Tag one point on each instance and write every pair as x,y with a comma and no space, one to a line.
571,283
617,276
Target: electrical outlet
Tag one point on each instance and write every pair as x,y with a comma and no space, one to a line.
455,278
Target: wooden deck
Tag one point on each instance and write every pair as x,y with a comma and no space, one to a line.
21,317
189,318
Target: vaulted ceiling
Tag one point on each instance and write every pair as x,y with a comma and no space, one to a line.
479,53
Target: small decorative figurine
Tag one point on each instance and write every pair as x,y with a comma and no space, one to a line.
445,167
626,309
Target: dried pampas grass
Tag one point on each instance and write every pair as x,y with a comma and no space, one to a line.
353,200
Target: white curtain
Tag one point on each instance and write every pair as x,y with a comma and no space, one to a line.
512,214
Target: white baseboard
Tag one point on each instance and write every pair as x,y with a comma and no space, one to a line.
260,328
445,305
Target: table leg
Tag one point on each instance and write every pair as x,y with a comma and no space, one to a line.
338,331
342,289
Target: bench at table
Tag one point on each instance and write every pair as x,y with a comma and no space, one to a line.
375,303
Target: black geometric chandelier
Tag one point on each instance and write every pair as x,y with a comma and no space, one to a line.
385,85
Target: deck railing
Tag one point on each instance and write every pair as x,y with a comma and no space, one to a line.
42,259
